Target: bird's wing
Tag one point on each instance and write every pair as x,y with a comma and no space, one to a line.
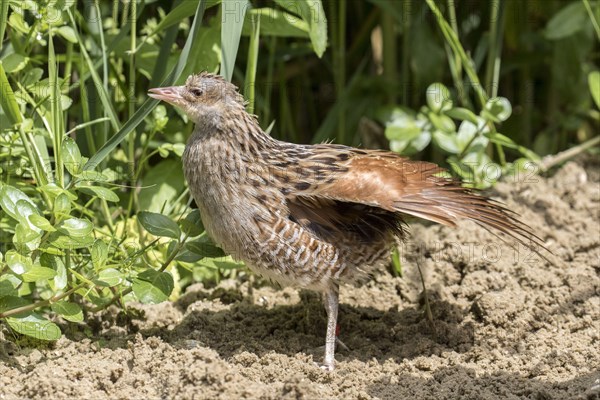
385,181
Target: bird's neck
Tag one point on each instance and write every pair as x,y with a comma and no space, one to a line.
237,129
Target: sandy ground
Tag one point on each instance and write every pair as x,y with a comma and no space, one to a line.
507,325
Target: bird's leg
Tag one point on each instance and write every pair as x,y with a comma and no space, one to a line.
331,299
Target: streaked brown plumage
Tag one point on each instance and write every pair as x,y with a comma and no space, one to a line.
312,216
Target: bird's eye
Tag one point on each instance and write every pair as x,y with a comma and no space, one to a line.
196,92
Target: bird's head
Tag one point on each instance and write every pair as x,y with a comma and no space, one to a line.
206,98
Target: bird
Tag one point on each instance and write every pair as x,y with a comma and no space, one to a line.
312,216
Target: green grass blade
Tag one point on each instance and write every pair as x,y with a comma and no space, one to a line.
452,40
99,84
55,111
492,74
104,59
588,8
250,81
232,22
3,19
179,12
149,104
8,101
165,50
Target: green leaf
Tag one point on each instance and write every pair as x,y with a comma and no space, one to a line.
76,227
7,288
594,83
470,136
26,238
69,311
179,13
32,77
499,108
93,176
62,206
16,21
442,122
462,114
446,141
205,248
400,124
24,209
311,11
53,191
9,196
99,253
276,23
569,20
159,225
67,242
192,225
41,222
56,263
101,192
152,287
221,263
35,326
67,33
412,146
187,256
109,277
71,156
233,13
18,263
10,302
37,273
405,133
14,63
438,97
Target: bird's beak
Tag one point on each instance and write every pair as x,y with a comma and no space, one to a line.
169,94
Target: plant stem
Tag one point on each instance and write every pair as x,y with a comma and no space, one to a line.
125,292
588,8
41,303
103,57
454,59
269,86
425,296
338,34
457,48
130,96
250,80
495,44
552,160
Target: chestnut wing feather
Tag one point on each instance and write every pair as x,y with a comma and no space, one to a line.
391,186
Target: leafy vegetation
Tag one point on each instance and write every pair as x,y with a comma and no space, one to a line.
94,207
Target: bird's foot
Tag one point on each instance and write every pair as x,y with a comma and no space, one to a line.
326,366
